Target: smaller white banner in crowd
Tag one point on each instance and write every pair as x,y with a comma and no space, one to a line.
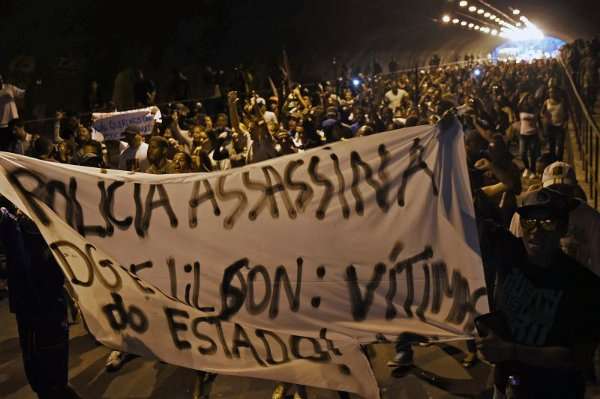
112,124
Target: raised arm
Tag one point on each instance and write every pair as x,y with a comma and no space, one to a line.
182,136
232,101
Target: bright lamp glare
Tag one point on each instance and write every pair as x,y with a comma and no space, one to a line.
446,19
494,32
463,23
477,72
463,3
516,11
487,15
480,11
472,8
356,82
455,20
529,32
471,25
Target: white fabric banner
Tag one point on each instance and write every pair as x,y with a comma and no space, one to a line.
112,124
279,270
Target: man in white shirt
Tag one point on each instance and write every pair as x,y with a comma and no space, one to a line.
135,156
395,97
8,110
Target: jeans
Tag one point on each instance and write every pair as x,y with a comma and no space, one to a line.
556,141
529,148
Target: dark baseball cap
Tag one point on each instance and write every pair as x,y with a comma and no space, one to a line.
545,203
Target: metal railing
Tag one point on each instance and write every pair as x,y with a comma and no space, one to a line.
588,136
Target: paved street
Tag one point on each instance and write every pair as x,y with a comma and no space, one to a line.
142,378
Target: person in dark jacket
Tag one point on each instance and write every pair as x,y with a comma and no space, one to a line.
36,297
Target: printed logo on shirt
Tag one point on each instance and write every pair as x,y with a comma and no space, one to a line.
530,311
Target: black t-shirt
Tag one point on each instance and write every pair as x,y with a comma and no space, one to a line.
558,306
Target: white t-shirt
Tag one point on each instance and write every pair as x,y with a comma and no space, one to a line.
270,117
528,127
395,100
8,107
132,156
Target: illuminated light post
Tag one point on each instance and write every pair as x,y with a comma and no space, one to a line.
446,19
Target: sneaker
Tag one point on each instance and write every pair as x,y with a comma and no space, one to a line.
117,359
402,359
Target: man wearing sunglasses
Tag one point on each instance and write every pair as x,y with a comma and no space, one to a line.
546,323
582,241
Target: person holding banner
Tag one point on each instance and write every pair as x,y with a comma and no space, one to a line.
37,299
546,324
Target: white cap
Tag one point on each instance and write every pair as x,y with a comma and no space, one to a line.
559,173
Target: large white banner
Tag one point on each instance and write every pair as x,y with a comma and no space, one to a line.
112,124
279,270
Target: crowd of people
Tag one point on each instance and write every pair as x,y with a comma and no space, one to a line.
541,279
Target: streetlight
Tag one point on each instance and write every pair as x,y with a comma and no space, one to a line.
446,19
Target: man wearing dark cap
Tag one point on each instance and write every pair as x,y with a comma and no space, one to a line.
546,324
582,241
135,155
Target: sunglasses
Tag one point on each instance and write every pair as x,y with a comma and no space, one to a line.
545,224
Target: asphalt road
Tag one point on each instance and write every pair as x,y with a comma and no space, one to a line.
438,374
